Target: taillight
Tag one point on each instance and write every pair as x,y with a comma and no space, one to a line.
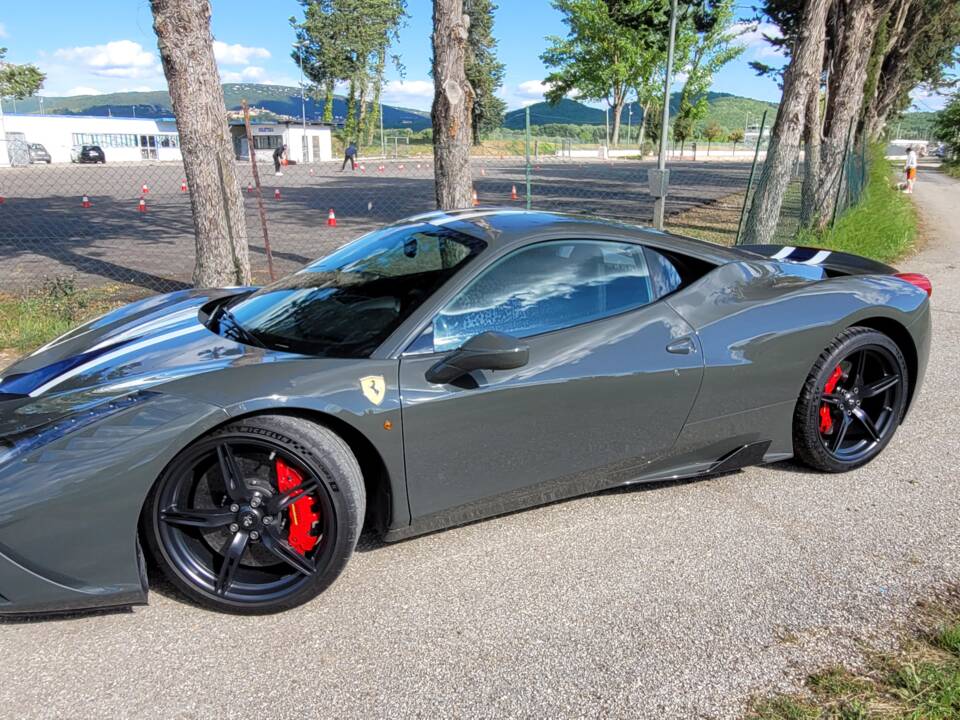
921,281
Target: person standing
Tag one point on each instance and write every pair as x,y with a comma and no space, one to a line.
350,154
910,168
277,158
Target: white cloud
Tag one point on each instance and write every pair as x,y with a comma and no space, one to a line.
532,89
237,54
925,100
3,31
753,36
417,94
83,90
116,59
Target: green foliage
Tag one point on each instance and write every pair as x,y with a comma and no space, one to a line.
19,81
484,71
57,306
883,225
946,125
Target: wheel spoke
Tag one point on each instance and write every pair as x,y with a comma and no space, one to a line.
831,398
880,386
231,560
278,546
865,420
279,503
841,433
211,518
856,375
230,469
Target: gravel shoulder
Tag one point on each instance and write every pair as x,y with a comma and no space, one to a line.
666,601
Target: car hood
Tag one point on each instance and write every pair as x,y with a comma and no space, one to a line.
135,348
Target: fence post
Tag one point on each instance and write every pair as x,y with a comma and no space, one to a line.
753,170
843,171
527,153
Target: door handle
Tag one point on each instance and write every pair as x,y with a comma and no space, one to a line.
683,346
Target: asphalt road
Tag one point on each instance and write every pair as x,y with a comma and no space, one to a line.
666,601
45,231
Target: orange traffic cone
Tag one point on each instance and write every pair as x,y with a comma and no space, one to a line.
249,188
476,200
513,193
363,168
183,186
380,169
142,205
483,171
311,171
85,202
331,218
276,194
2,199
400,166
144,189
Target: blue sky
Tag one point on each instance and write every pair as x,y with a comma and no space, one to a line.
99,46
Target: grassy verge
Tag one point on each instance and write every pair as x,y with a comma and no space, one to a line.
918,681
951,168
28,322
883,225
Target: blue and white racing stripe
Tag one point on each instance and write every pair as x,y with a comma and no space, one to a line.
806,256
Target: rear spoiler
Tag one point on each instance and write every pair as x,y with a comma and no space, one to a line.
832,261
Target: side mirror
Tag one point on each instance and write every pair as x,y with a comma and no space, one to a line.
486,351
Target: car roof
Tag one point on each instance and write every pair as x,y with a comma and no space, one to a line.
501,226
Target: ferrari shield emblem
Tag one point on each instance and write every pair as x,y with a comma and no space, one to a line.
374,388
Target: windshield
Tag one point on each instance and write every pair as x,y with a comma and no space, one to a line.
348,303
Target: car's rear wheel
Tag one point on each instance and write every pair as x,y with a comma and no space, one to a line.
852,402
257,517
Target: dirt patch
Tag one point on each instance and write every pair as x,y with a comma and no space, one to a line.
715,221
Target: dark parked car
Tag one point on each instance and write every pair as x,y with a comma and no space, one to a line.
88,154
447,368
38,153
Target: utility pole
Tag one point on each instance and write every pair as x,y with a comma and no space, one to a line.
383,142
303,109
660,180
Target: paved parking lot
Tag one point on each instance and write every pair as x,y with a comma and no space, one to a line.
44,230
665,601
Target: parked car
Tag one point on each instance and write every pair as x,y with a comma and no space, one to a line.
87,154
38,153
451,367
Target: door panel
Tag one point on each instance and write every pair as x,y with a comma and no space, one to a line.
602,398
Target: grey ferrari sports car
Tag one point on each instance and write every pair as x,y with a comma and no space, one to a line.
449,367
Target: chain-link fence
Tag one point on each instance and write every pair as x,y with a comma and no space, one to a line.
130,223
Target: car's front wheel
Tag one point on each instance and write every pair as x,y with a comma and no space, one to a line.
852,402
257,517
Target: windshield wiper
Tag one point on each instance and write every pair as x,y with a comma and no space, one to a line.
236,331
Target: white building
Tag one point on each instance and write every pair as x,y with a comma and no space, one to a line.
135,139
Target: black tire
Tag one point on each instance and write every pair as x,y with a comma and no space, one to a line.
860,382
268,574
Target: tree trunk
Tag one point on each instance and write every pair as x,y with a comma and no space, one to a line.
452,105
350,121
619,100
328,102
806,63
186,49
848,73
362,110
643,127
374,121
811,154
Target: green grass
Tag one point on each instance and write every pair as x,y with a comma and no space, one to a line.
951,168
883,225
28,322
918,681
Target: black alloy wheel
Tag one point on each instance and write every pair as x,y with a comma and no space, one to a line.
852,403
258,517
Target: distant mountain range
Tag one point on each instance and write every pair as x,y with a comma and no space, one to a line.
278,99
728,111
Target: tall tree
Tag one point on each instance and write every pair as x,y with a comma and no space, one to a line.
18,81
800,75
452,105
186,50
484,71
600,59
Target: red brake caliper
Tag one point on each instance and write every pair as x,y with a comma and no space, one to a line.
300,512
826,422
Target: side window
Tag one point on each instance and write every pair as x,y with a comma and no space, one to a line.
663,273
546,287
